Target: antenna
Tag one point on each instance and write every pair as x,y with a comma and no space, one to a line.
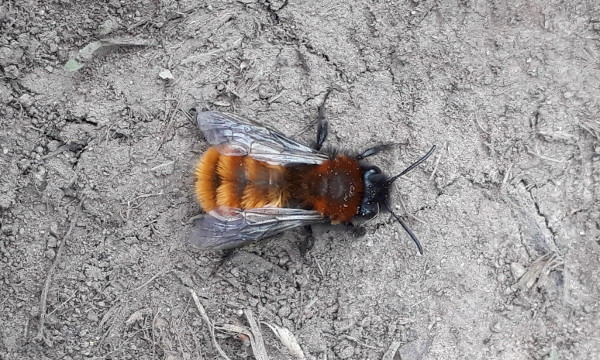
413,165
410,233
391,180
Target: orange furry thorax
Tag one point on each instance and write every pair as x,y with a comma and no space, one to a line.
333,188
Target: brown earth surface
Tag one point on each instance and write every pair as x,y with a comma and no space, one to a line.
96,199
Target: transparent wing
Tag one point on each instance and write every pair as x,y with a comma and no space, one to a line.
236,136
226,228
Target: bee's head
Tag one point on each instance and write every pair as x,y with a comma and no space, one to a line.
377,193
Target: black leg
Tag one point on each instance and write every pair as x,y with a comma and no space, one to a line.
322,123
357,230
308,242
227,255
322,126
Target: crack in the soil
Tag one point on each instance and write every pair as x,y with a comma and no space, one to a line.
441,190
83,120
299,42
310,98
545,217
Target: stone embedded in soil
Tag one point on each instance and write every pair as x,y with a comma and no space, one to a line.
414,349
3,14
108,26
517,270
5,93
26,100
10,55
165,74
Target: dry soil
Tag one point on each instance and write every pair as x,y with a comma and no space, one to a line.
96,164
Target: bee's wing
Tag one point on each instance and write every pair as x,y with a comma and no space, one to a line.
234,135
226,228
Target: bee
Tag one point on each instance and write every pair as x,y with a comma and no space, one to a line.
254,182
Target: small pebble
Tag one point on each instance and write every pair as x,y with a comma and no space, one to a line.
501,278
108,27
165,74
52,242
517,270
26,100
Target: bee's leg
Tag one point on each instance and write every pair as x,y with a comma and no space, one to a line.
322,123
357,230
227,256
374,150
308,242
322,126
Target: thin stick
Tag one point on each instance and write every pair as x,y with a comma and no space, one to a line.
153,331
44,296
210,325
168,270
506,176
168,127
392,350
258,345
537,153
55,152
319,267
353,339
437,163
62,303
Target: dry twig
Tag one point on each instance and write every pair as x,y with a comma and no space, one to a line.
44,296
435,168
539,270
258,345
391,351
288,340
168,127
358,342
211,327
161,273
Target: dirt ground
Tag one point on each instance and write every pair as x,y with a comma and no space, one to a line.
96,198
